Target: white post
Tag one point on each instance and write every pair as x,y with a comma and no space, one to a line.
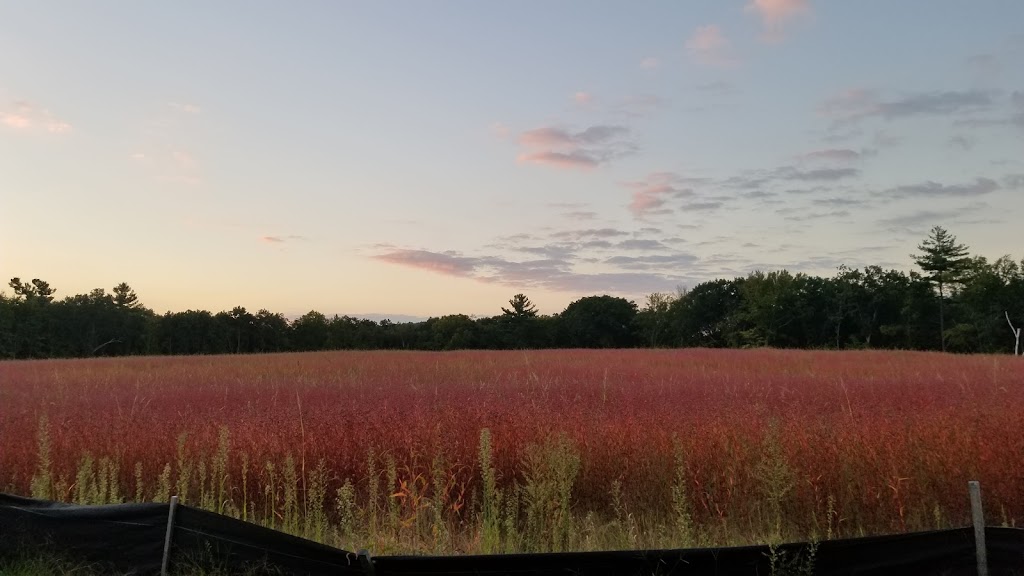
167,537
1016,333
978,516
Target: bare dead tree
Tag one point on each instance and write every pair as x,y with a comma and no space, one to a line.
111,341
1016,334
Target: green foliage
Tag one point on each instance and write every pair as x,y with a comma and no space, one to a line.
599,322
682,514
549,471
42,480
521,308
945,263
490,499
856,308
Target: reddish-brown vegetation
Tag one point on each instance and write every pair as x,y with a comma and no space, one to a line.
887,441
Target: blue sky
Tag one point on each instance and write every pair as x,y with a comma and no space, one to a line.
424,158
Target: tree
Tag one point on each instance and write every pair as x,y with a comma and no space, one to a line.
770,308
310,331
944,262
706,315
653,320
271,331
242,323
521,307
38,290
124,296
599,322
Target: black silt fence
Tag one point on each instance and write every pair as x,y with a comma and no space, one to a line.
129,539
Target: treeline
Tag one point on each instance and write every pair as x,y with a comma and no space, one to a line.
958,302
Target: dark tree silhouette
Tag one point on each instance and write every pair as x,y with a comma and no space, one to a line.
944,262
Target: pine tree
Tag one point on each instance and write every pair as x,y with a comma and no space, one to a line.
944,262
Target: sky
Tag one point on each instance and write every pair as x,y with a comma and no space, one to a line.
420,158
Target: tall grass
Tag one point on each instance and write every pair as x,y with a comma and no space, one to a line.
574,450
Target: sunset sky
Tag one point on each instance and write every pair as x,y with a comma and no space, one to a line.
431,157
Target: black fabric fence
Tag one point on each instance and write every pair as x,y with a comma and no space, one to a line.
129,539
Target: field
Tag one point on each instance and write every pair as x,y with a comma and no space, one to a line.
539,450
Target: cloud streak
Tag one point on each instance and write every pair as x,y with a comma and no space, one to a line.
634,277
655,192
26,116
930,189
856,105
561,148
709,46
281,239
777,14
840,155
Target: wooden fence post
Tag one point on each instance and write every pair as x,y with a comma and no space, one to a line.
978,516
167,538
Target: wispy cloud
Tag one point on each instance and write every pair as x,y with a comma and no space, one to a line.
833,155
717,88
812,216
640,244
639,105
26,116
580,215
582,98
838,202
589,233
185,108
649,63
562,148
709,46
777,14
756,179
962,142
1001,118
549,273
450,263
655,191
1013,181
281,239
916,222
930,189
855,105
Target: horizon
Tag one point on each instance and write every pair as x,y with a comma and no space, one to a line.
436,159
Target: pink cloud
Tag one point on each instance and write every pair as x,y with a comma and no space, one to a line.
646,200
651,194
776,14
564,149
649,63
16,120
24,116
546,137
281,239
442,263
709,46
582,98
574,159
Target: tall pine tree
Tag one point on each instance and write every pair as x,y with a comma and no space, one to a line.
944,262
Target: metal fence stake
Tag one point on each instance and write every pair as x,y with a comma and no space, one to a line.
366,561
978,516
167,538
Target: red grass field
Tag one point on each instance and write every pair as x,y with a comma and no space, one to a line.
885,440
